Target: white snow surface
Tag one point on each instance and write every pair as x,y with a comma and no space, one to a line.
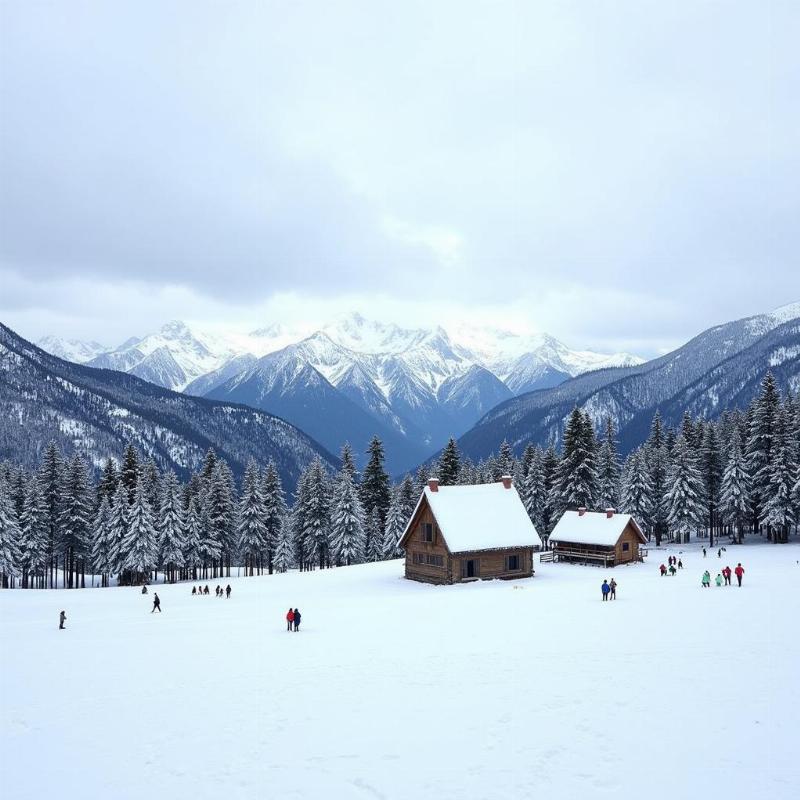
480,517
594,527
394,689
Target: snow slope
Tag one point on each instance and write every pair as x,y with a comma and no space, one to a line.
399,690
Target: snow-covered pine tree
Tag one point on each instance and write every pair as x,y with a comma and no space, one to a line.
210,549
684,499
317,514
118,528
577,480
282,558
129,472
51,477
467,475
151,484
102,543
637,491
275,515
251,529
192,557
348,536
220,507
608,469
109,481
711,470
777,506
140,545
449,463
375,536
505,462
735,487
375,487
550,482
9,538
421,479
658,460
534,496
33,536
77,513
395,525
763,419
171,528
348,462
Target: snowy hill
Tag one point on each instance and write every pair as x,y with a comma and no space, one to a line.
719,369
98,412
414,386
521,688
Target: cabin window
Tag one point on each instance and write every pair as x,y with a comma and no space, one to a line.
470,568
419,558
626,546
512,563
427,532
434,560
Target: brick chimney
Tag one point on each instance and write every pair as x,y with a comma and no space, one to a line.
610,512
506,481
433,484
581,511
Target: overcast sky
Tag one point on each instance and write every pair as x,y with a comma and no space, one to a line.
620,174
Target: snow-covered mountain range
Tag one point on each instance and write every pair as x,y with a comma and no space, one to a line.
353,377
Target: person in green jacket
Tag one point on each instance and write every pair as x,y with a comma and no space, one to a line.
718,579
706,579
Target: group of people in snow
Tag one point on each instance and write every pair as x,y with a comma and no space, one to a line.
720,551
675,564
724,578
609,590
293,618
219,591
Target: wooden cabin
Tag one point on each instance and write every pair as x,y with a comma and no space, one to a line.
466,533
604,538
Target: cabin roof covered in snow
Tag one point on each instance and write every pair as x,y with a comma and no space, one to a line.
593,527
479,517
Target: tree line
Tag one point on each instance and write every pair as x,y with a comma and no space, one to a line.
736,475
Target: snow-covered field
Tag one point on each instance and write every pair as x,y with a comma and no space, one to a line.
399,690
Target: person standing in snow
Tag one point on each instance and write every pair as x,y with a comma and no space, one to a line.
227,591
719,553
296,620
156,603
680,564
205,591
718,579
739,571
663,570
289,619
726,574
706,579
62,618
144,589
704,552
194,590
605,589
613,587
672,570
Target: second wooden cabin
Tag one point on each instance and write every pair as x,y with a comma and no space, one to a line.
604,538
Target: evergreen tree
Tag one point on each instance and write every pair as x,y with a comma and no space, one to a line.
9,538
275,515
637,491
375,488
317,514
171,528
192,556
711,469
220,508
735,487
396,521
109,481
347,523
140,545
77,512
348,462
777,506
33,535
577,473
449,463
51,479
534,495
251,527
209,550
282,558
129,472
608,469
421,479
151,484
686,510
763,420
375,536
103,542
504,464
658,459
550,483
118,528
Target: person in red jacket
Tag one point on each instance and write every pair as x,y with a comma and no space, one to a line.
663,570
289,619
739,571
726,573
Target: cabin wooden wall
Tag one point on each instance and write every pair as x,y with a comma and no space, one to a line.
630,536
415,544
492,563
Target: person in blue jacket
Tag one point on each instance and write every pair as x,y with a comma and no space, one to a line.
605,588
